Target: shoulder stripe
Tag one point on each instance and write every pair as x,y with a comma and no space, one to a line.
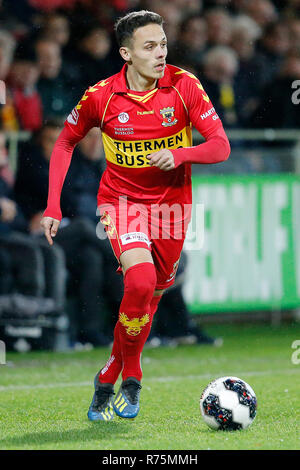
104,112
179,94
189,74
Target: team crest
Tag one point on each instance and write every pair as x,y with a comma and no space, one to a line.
107,221
173,273
134,326
168,117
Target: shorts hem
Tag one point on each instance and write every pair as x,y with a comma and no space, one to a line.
164,286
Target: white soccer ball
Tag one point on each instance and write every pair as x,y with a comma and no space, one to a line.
228,403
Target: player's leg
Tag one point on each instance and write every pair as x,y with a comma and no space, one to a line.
134,316
167,254
135,320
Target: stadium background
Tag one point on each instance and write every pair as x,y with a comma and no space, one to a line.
243,285
247,56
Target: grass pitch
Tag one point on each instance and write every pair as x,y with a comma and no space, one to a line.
44,397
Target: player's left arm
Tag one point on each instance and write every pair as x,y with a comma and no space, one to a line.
204,118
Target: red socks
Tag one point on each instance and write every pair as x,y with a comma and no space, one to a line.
154,304
112,369
133,327
135,316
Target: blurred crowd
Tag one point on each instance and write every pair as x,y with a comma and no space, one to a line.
246,53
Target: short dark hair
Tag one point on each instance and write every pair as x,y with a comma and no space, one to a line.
126,25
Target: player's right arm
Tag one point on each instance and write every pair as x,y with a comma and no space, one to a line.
83,117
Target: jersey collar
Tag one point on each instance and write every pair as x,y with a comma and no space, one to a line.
120,86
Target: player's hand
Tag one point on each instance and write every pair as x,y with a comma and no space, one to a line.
163,159
50,227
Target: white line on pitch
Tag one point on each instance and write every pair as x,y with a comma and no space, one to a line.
4,388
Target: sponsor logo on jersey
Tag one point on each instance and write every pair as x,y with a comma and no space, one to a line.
209,113
123,117
143,113
124,130
73,117
133,154
133,327
133,237
168,117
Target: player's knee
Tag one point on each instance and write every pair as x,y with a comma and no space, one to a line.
140,282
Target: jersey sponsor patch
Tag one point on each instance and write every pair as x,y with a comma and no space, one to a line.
209,113
73,117
133,154
123,130
133,237
123,117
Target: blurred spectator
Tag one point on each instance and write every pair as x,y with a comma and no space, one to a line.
23,78
171,13
277,109
50,5
32,174
263,12
93,58
190,7
20,258
292,8
84,252
243,23
219,26
294,35
58,96
8,116
11,20
85,173
7,47
244,36
191,42
220,66
57,29
273,47
9,119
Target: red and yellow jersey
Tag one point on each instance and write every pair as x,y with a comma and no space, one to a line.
136,124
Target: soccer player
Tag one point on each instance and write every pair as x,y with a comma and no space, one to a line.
145,113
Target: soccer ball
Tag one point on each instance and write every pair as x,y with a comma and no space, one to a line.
228,403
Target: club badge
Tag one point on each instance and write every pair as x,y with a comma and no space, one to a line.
168,117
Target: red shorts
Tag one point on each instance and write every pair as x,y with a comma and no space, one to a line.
160,229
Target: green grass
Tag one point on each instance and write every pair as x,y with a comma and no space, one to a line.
44,397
